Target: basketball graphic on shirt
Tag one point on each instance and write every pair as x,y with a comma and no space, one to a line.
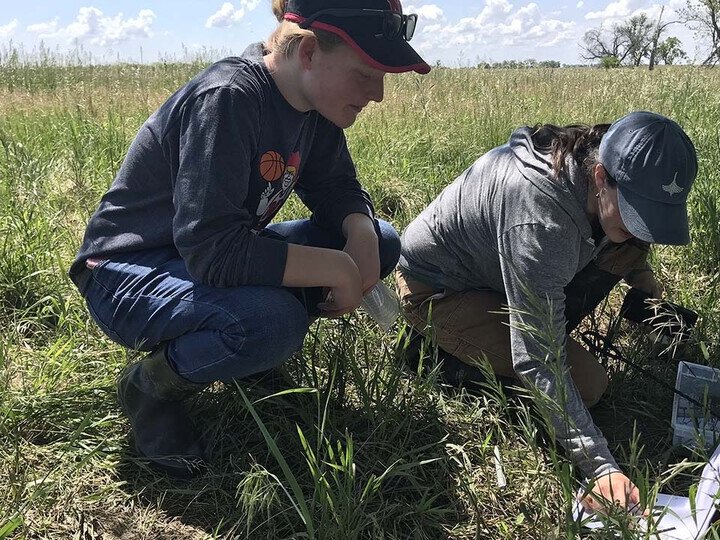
272,166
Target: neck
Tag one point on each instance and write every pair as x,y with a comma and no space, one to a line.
286,75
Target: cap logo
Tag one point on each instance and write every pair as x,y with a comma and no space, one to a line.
672,188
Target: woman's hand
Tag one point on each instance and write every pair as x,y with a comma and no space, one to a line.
362,246
613,489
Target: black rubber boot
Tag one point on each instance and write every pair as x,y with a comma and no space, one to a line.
150,393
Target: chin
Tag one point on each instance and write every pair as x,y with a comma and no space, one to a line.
342,123
342,117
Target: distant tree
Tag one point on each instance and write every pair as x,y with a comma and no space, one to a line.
515,64
669,51
610,62
638,32
599,44
628,43
703,16
660,27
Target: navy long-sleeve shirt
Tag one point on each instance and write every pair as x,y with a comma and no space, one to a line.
212,166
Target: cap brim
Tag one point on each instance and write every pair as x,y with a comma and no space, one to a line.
396,56
652,221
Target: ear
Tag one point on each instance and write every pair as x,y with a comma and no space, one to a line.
599,177
306,51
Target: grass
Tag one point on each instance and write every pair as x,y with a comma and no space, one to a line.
358,447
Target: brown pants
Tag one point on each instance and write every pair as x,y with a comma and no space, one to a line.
469,324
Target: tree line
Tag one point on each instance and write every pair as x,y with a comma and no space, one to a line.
639,39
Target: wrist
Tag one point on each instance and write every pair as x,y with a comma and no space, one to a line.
346,271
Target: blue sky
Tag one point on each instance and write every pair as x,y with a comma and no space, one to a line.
454,32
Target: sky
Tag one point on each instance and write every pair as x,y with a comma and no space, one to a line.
452,32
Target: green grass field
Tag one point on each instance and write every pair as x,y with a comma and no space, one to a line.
361,448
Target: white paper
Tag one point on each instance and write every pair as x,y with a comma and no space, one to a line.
673,516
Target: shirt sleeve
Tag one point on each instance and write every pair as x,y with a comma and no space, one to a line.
536,264
328,185
219,134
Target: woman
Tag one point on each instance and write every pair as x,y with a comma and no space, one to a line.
547,224
180,260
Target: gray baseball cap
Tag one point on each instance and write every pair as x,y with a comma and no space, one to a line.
654,164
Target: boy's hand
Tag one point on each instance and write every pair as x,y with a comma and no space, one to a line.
345,296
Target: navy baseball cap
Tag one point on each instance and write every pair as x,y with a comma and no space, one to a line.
376,29
654,164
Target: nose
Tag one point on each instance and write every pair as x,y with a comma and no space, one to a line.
376,91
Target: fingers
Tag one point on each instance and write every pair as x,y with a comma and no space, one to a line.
588,503
332,311
634,506
368,285
613,490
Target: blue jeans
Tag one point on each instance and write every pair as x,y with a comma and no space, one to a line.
146,298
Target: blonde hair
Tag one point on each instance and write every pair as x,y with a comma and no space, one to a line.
286,37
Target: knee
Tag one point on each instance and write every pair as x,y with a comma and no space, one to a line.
589,375
274,333
594,390
284,334
389,244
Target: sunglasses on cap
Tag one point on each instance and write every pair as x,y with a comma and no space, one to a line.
394,25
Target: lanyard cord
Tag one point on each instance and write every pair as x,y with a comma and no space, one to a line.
604,346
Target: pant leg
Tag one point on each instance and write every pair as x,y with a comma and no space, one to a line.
143,299
307,233
472,324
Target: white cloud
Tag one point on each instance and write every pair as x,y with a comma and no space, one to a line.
494,10
580,4
429,12
228,15
500,24
531,12
619,9
44,27
551,32
9,29
93,27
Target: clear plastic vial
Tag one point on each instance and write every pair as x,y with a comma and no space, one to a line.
382,305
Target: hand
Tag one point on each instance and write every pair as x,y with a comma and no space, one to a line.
362,246
613,489
346,295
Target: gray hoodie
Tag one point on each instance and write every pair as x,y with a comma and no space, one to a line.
508,225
